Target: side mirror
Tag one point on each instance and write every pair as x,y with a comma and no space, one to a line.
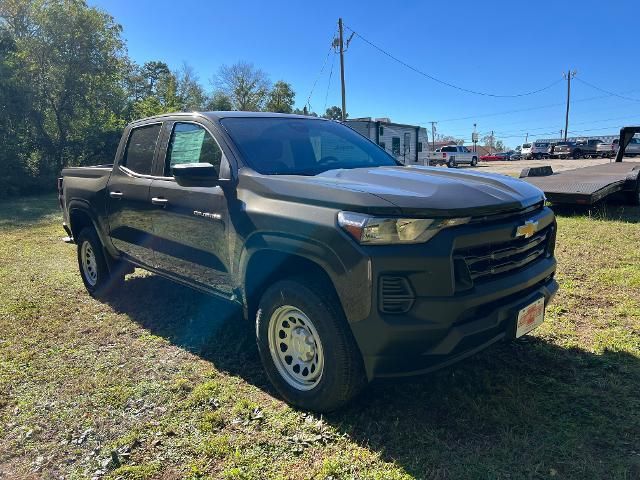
195,174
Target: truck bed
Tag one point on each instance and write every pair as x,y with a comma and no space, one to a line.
587,185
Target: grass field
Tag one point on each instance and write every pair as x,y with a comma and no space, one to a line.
163,382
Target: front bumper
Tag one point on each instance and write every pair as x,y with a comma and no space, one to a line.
442,327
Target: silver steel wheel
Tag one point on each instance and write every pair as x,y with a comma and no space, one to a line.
89,264
295,347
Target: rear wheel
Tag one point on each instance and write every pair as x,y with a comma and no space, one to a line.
452,163
474,161
306,346
92,264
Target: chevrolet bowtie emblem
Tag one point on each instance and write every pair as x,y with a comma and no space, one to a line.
527,230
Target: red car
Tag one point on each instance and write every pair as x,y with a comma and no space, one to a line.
494,157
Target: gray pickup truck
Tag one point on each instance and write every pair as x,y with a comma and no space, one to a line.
350,265
580,149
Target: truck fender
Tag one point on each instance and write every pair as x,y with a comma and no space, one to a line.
356,304
83,206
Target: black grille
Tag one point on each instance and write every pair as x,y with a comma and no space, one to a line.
486,261
394,294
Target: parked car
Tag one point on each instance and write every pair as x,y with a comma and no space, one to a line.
535,150
609,150
498,156
318,235
579,149
453,155
588,148
566,150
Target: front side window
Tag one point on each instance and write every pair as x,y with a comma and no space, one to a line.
138,156
191,143
293,146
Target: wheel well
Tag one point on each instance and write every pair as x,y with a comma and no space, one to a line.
79,219
268,266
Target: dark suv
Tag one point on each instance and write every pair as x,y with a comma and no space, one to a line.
350,265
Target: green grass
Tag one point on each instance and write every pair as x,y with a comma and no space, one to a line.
163,382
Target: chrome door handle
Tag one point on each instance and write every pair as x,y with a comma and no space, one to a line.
116,194
159,201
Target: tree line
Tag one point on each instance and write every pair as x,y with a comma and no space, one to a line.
68,88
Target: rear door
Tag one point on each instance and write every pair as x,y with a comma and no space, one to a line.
190,223
129,206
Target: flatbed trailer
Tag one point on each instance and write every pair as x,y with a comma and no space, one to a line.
588,185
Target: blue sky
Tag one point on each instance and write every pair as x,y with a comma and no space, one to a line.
496,47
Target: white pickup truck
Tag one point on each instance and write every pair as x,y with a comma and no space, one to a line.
452,156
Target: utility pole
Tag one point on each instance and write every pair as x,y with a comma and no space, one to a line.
433,135
474,138
526,139
561,133
491,144
341,43
568,76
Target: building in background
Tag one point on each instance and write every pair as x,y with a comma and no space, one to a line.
604,138
407,143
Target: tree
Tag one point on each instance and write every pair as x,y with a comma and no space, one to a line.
449,139
334,113
246,86
304,111
281,98
73,58
153,72
189,91
219,101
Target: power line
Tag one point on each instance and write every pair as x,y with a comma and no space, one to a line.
607,91
326,97
324,64
448,84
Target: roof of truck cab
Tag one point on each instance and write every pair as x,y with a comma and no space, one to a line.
236,114
215,116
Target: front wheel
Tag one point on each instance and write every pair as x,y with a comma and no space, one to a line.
93,267
306,346
474,161
577,155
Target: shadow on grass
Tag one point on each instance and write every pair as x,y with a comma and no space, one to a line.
527,409
22,211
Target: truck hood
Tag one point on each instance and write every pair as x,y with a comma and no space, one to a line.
412,190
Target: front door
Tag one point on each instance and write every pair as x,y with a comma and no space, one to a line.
128,203
190,223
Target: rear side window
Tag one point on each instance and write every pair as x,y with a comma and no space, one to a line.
138,157
191,143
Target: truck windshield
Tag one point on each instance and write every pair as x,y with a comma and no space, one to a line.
293,146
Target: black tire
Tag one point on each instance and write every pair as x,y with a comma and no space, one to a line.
538,156
342,376
577,154
451,163
97,279
633,197
474,161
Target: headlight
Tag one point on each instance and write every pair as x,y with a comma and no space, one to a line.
369,230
